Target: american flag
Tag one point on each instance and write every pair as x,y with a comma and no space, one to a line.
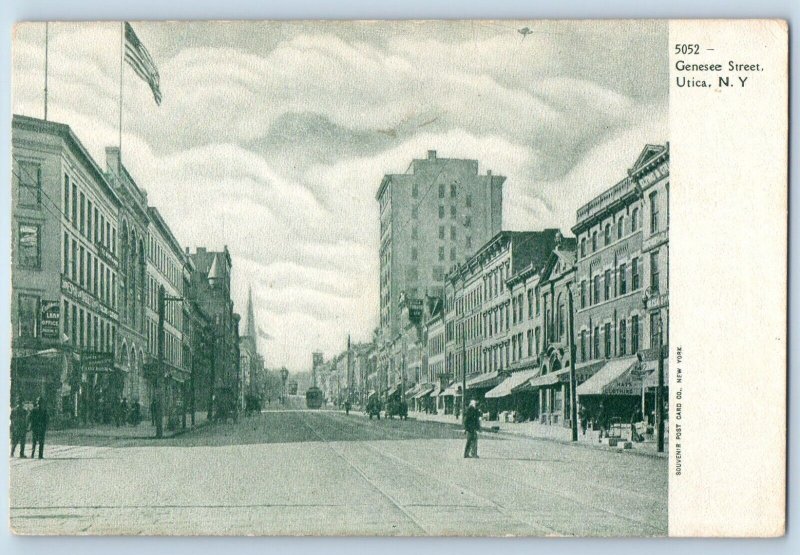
139,59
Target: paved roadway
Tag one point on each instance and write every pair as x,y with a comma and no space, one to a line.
311,472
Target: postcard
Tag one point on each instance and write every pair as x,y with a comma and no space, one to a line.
399,278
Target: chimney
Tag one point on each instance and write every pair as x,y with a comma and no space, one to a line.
112,159
431,155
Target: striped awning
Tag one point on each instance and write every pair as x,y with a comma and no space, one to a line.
515,381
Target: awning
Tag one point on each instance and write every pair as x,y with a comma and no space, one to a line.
392,390
481,381
412,390
515,381
651,379
452,390
559,376
614,378
437,389
424,391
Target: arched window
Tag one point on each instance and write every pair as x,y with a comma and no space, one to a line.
607,235
583,247
634,219
620,227
594,241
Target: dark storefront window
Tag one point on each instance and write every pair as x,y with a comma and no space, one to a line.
29,248
29,180
28,316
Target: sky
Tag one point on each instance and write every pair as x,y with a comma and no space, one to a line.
272,137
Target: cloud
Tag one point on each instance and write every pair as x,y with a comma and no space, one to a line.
273,136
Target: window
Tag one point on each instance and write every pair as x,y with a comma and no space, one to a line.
654,272
66,196
583,294
607,284
28,314
583,247
74,205
441,232
467,221
607,235
622,280
538,333
415,190
414,253
453,211
655,323
73,261
469,242
530,304
89,220
620,227
65,258
452,254
594,241
623,336
453,190
653,212
30,184
607,340
596,342
441,212
635,274
634,220
468,201
441,254
82,222
81,267
441,190
414,212
29,248
583,345
596,290
414,232
634,334
452,233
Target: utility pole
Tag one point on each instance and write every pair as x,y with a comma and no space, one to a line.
349,379
660,390
463,373
159,416
573,386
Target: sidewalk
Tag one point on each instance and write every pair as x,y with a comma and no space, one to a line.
145,430
558,433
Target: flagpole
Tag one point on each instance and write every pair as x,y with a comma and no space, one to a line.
46,48
121,71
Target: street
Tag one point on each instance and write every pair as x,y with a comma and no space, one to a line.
305,472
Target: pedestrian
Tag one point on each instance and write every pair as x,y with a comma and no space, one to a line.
123,410
153,411
347,407
38,420
472,423
636,417
584,418
19,428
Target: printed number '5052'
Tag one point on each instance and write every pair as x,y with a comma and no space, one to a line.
687,49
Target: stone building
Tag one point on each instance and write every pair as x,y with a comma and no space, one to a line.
432,216
619,283
64,272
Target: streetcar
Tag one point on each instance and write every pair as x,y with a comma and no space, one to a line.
314,398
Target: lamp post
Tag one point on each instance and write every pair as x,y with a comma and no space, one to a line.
572,372
284,376
659,351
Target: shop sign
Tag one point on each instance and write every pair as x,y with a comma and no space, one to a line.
79,294
50,319
96,359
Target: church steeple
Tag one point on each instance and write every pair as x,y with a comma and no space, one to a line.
251,316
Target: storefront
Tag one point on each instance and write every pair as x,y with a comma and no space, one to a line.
612,396
513,400
42,373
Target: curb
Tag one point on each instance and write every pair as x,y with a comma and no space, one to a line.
585,445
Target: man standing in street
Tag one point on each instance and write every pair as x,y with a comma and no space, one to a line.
19,428
472,423
38,427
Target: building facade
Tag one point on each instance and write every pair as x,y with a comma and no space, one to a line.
431,217
64,272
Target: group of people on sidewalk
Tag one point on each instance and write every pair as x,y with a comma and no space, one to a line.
22,420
